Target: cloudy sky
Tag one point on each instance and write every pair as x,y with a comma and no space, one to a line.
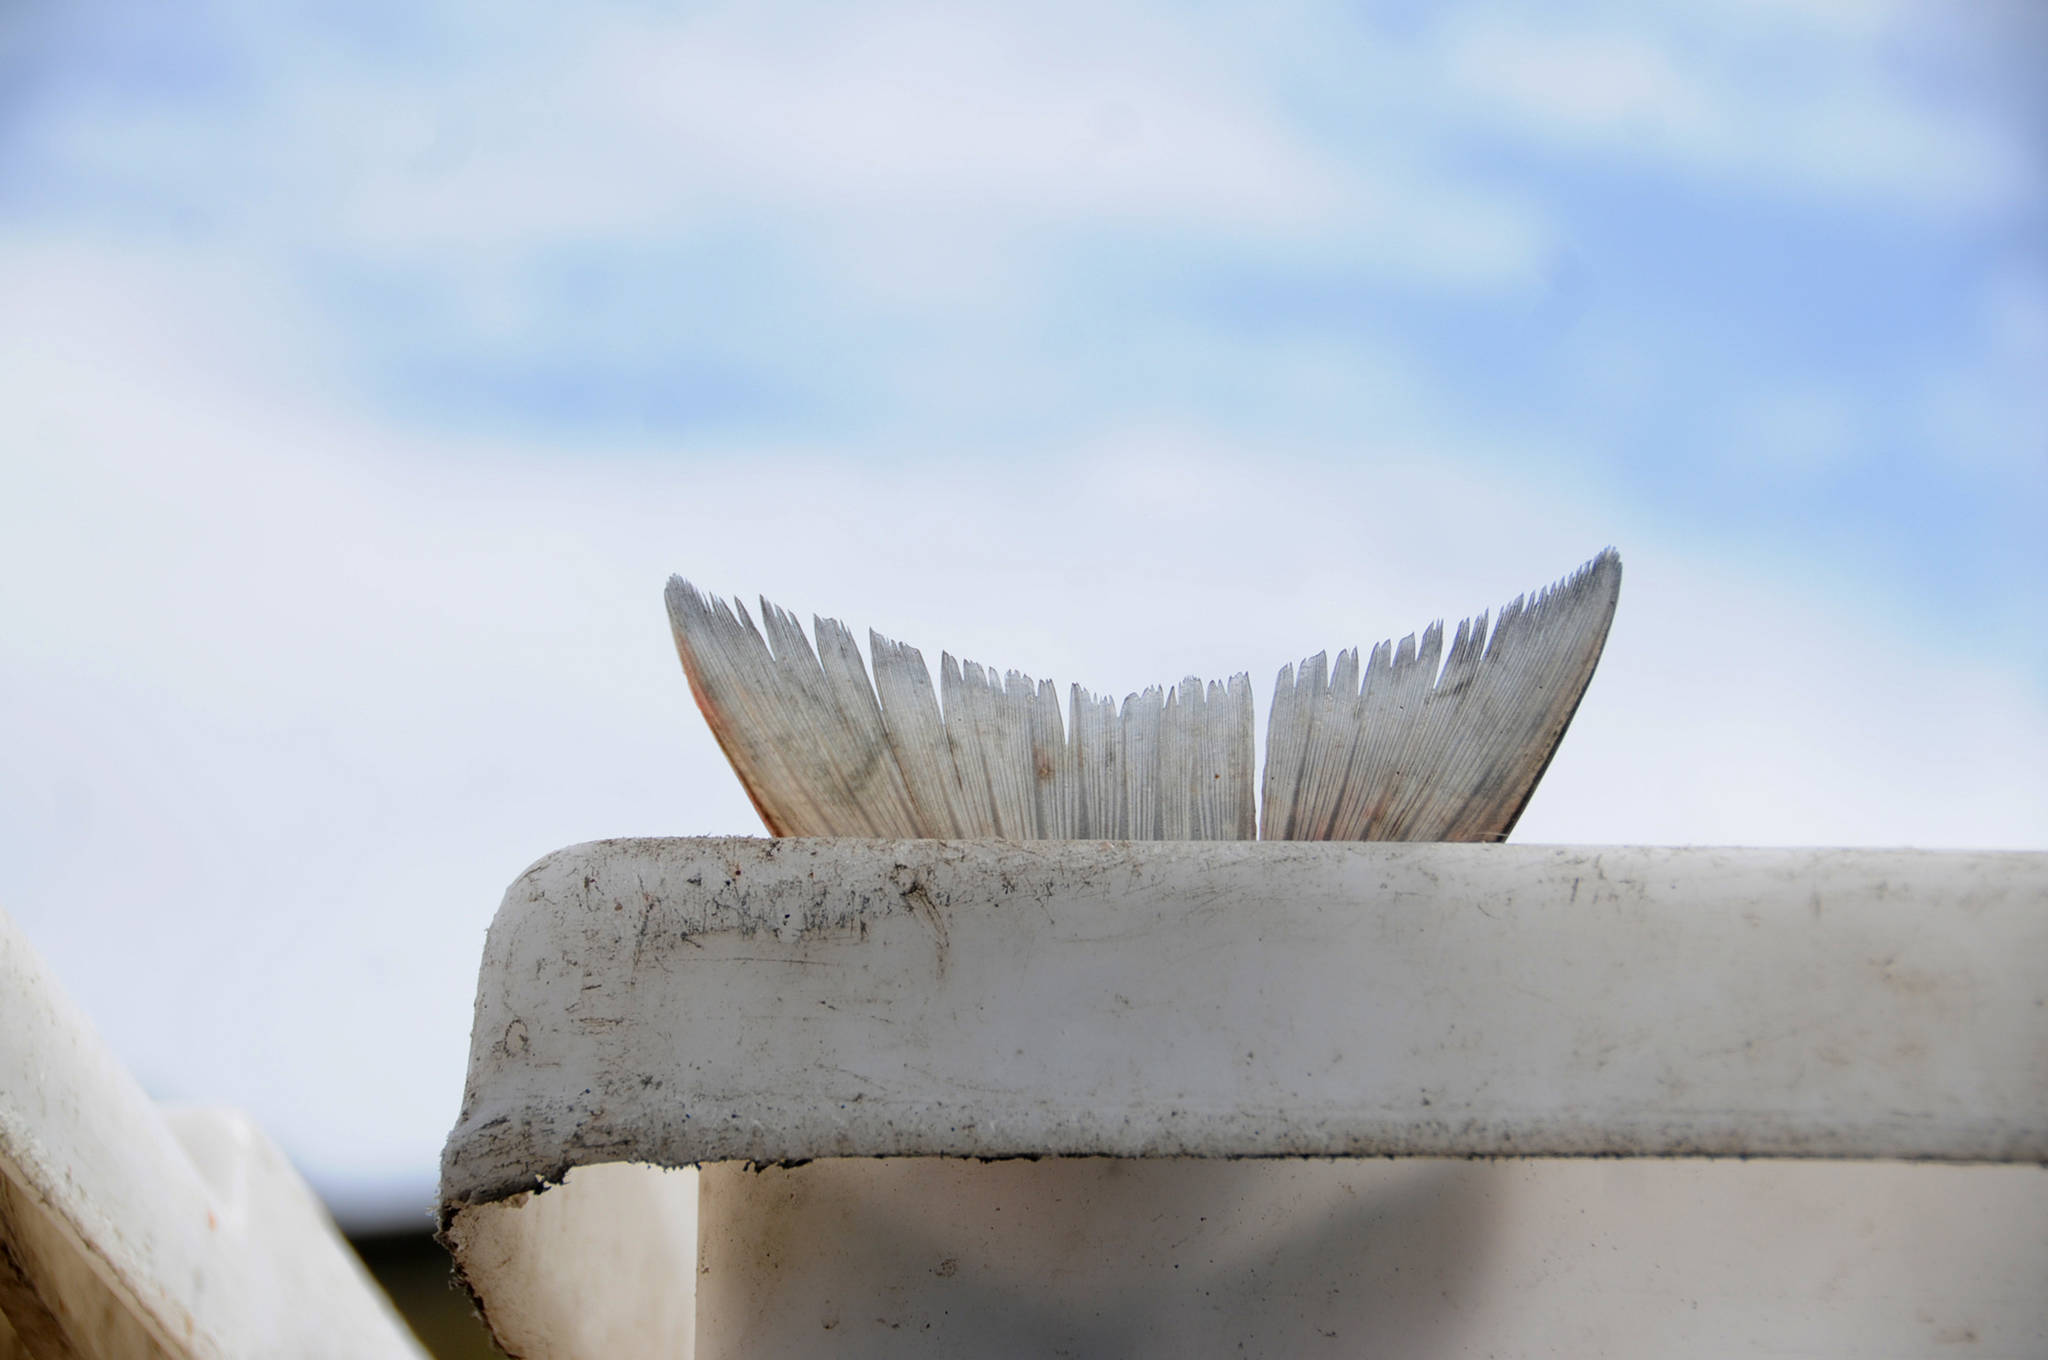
367,368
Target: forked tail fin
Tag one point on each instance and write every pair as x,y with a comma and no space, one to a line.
1399,749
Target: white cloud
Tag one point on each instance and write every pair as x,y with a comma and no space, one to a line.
1802,102
1589,84
930,108
893,135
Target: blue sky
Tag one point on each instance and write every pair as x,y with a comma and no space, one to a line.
370,367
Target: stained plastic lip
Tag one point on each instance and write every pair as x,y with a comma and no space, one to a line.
664,1003
1414,744
681,1001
